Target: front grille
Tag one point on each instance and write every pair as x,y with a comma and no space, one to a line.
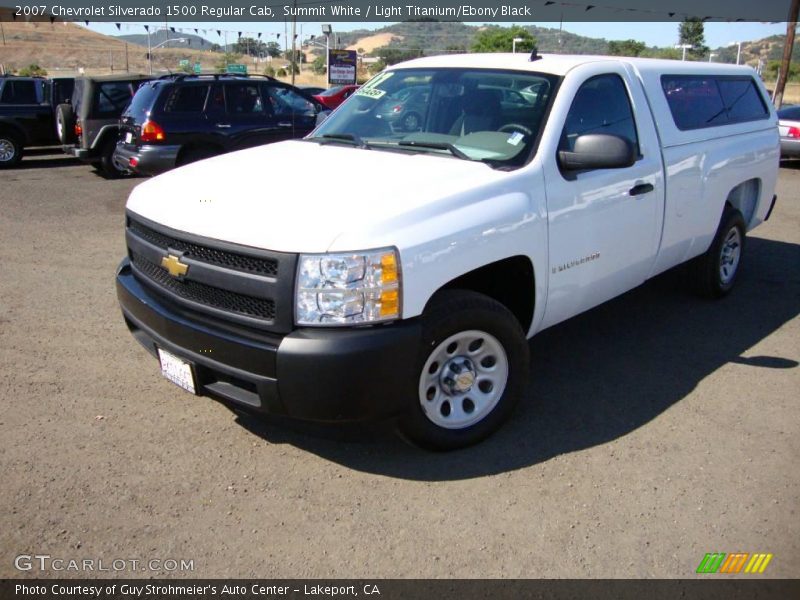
222,258
226,285
259,308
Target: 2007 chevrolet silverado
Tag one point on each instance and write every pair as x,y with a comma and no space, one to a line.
529,190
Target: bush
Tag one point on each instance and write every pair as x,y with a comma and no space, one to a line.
33,70
269,71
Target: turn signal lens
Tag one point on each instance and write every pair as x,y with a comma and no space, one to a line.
152,132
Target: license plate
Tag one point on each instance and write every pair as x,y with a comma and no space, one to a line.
128,137
178,371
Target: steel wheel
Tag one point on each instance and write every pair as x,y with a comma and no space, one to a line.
729,256
715,272
463,379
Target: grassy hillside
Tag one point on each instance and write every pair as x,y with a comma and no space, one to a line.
66,48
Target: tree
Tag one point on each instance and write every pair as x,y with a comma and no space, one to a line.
249,46
391,56
500,39
227,59
299,56
626,48
318,66
273,49
692,32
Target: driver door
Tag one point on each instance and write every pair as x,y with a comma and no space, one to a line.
604,224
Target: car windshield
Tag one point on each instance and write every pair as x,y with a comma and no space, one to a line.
470,114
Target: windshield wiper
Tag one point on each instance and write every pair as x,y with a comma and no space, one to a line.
435,146
341,137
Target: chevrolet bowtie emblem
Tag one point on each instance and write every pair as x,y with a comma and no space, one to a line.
174,265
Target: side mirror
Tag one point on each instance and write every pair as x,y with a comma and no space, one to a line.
598,151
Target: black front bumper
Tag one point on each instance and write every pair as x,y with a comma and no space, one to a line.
320,374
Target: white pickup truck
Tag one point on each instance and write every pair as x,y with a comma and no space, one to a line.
462,204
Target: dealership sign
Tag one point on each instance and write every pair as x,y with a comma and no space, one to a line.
342,67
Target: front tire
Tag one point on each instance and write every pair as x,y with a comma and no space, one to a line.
715,272
472,370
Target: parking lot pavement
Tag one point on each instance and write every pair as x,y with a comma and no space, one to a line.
657,428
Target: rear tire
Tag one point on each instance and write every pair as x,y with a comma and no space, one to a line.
107,166
11,150
472,370
715,273
65,124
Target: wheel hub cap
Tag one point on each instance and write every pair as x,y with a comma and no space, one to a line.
458,376
6,150
463,379
729,257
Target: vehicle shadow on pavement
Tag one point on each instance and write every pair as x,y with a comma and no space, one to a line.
49,159
596,377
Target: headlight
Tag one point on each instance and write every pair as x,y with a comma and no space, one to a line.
346,289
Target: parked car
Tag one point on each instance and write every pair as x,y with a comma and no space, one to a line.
89,125
409,288
177,120
311,90
333,97
405,110
27,113
789,128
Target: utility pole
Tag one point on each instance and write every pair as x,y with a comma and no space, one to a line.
3,31
777,98
127,66
294,40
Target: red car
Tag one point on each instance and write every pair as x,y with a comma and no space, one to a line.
333,97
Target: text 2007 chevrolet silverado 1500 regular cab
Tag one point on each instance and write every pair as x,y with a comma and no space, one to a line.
530,190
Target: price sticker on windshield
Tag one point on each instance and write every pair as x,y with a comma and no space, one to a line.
515,138
373,93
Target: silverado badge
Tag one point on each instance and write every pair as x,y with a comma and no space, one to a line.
174,265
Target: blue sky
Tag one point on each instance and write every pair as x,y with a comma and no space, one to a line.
652,33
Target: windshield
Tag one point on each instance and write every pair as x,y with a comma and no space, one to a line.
471,114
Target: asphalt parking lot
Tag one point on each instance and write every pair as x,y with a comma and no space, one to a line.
656,428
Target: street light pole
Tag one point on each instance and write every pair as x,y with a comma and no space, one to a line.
685,47
327,30
738,50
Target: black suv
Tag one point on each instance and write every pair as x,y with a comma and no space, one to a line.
179,119
27,113
89,126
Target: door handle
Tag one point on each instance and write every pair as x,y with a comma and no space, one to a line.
642,188
223,125
284,124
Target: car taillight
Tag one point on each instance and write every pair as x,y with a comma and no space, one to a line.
794,132
152,132
78,129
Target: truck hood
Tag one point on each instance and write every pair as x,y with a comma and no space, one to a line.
300,196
